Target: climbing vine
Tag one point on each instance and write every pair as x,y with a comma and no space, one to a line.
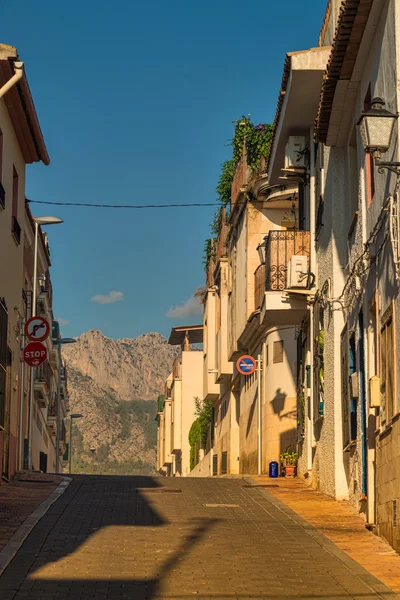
256,140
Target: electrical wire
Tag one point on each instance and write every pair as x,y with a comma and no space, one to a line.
144,206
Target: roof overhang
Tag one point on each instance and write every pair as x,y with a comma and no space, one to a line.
297,102
194,334
21,109
357,22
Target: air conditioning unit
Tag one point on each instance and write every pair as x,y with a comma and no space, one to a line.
297,272
294,152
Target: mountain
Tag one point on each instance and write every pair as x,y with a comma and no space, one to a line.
114,384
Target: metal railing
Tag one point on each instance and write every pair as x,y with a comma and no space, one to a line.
281,246
44,373
46,287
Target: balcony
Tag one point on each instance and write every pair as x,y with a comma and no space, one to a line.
44,301
274,281
281,246
16,230
177,369
52,419
43,376
221,246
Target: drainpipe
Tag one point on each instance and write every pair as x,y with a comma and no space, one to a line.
19,71
313,268
21,404
259,453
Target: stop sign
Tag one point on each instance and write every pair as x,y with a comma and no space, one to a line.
35,353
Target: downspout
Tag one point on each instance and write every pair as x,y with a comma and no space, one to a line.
313,268
21,406
19,71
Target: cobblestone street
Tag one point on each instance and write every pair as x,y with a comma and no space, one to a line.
141,538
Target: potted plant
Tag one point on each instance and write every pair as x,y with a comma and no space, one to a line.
289,462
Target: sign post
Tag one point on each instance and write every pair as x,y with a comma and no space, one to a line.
247,365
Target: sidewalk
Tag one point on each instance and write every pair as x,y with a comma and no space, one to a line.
20,498
340,523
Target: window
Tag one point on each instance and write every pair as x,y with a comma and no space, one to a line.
387,367
353,403
3,360
267,354
278,352
369,161
15,228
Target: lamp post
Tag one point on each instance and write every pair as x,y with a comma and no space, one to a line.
376,130
73,416
38,221
61,342
261,249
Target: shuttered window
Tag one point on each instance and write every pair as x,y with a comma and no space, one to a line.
278,352
3,360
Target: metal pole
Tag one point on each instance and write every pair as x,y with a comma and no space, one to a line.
58,406
33,314
259,414
70,447
21,404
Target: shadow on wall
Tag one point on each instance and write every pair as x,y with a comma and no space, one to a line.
251,414
288,440
278,406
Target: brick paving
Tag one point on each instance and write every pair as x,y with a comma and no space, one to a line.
141,538
339,522
20,498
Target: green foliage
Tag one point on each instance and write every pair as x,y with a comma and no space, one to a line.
289,458
194,437
204,412
224,187
208,252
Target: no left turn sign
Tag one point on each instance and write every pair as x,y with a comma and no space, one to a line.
37,329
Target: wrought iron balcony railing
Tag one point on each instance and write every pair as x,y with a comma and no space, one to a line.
281,246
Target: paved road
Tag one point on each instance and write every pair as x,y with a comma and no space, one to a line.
138,538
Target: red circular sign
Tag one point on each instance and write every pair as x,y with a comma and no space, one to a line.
35,353
246,365
37,329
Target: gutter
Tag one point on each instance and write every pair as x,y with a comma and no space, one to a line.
19,72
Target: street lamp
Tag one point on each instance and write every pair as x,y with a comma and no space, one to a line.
38,221
73,416
261,248
61,341
376,130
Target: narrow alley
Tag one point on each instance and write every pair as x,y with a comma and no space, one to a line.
143,538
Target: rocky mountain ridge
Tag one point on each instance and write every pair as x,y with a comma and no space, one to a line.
114,384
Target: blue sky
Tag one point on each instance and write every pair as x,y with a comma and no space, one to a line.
136,102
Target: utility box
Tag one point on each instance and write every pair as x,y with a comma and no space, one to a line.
375,392
297,272
294,152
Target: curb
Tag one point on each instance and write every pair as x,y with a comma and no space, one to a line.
11,548
369,580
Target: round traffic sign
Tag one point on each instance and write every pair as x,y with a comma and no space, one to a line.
35,353
37,329
246,365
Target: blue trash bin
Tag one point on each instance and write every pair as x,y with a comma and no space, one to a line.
273,469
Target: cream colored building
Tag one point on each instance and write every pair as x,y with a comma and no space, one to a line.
45,377
182,387
21,143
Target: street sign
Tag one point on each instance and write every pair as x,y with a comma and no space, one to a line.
37,329
246,365
35,353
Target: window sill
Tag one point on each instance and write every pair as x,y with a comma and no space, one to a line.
385,432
